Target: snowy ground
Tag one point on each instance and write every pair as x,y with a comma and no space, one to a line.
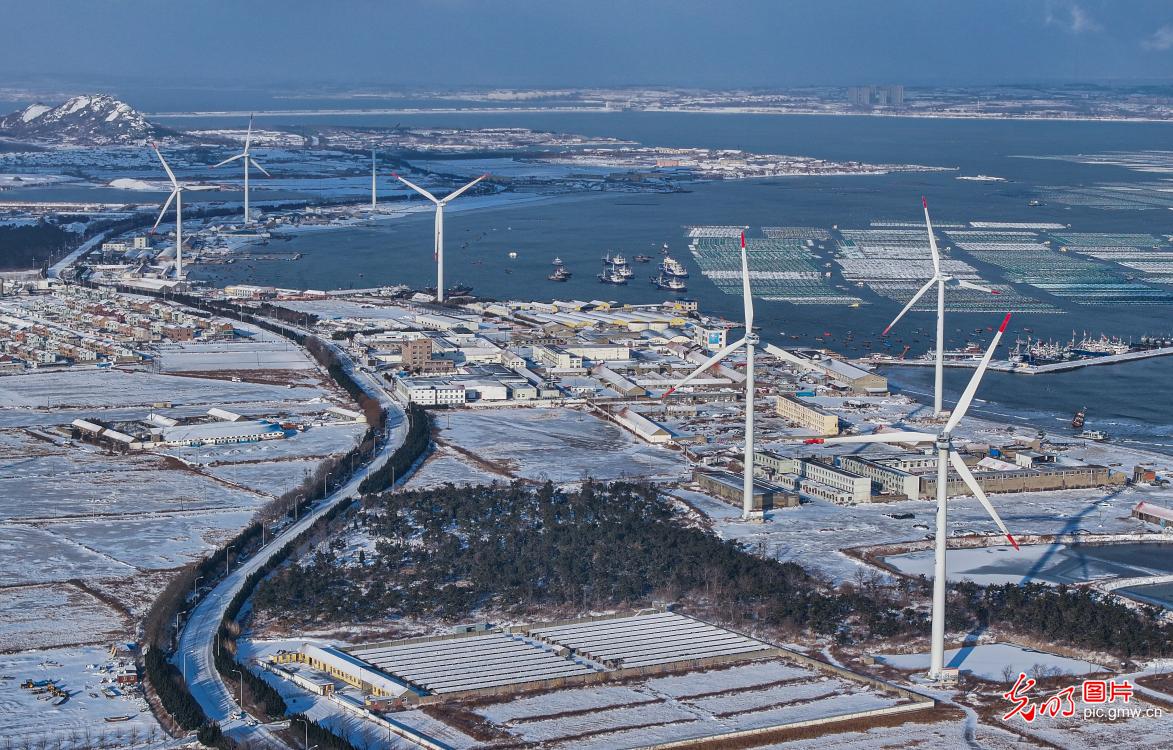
989,660
77,523
78,723
1053,563
562,445
444,466
122,388
23,610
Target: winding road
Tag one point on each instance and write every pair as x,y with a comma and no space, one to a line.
198,636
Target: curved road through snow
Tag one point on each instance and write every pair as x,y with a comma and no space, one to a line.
199,632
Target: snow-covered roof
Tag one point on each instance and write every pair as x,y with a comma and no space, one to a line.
1157,511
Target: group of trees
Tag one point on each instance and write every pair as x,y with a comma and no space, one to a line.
452,550
1074,616
32,246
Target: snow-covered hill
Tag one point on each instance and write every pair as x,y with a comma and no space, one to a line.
83,120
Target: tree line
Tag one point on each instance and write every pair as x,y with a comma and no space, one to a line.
451,551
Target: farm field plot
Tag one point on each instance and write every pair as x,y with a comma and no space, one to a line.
271,478
29,555
240,355
27,614
563,445
119,388
159,542
444,467
103,493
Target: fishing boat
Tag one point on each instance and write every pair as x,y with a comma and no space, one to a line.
670,283
1098,436
611,276
643,259
1079,418
673,267
560,274
557,261
116,719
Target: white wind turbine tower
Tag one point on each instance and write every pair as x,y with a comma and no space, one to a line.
246,157
946,456
440,203
941,280
177,190
373,188
749,342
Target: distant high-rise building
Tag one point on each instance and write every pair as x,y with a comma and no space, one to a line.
860,96
875,96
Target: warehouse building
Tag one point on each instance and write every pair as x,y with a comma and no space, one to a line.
1154,514
730,488
810,417
886,474
222,433
644,428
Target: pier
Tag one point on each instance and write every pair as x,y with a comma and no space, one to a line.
1025,369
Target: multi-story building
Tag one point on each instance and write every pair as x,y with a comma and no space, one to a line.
808,416
813,478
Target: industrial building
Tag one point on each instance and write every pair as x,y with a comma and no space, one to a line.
492,661
729,487
842,376
813,478
808,416
1154,514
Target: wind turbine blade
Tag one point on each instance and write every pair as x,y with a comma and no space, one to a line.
258,166
163,210
416,188
877,437
970,482
932,239
229,160
248,136
170,174
746,293
967,396
707,364
915,298
454,195
976,287
198,187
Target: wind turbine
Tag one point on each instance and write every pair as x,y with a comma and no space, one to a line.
946,456
440,203
749,342
247,158
941,280
177,189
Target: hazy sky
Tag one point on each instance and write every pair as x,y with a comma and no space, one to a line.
583,42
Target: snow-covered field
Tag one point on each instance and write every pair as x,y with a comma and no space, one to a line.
122,388
250,355
117,524
445,466
562,445
80,721
989,660
24,612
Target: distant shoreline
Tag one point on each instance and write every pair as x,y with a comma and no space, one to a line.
664,110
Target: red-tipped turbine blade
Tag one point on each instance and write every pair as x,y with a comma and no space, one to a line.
813,441
1005,322
1013,543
